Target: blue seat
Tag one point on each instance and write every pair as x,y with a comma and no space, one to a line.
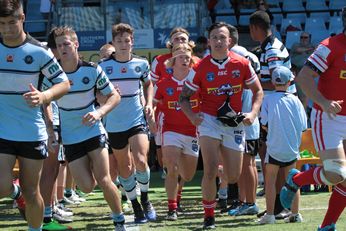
296,5
230,19
316,5
324,15
289,21
277,18
301,17
291,38
314,24
336,4
335,25
318,35
34,20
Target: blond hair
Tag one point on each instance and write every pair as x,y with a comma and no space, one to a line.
169,44
177,50
65,30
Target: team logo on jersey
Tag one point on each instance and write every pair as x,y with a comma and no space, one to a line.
343,74
235,73
9,58
138,69
169,71
238,139
194,146
109,70
169,91
210,76
85,80
224,89
28,59
123,70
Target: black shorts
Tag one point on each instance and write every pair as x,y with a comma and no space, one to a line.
76,151
251,147
36,150
263,135
280,163
119,140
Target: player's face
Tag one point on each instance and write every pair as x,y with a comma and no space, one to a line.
123,43
179,38
219,40
11,28
67,48
182,61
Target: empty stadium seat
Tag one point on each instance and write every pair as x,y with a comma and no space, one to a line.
318,35
336,4
301,17
277,18
335,25
324,15
230,19
314,24
312,5
296,5
291,38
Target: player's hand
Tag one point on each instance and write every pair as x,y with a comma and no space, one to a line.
91,118
149,111
332,107
152,125
249,118
197,119
34,97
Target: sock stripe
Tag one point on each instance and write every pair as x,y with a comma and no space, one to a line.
316,175
340,191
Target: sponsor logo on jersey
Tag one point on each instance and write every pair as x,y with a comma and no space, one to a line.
169,91
235,73
85,80
109,70
224,89
343,74
123,70
221,73
176,105
9,58
138,69
210,76
53,68
28,59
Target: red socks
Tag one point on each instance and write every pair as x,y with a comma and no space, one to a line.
337,203
209,207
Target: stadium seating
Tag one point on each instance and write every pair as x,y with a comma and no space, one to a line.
312,5
301,17
318,35
313,25
324,15
290,22
34,21
230,19
291,6
336,4
335,25
291,38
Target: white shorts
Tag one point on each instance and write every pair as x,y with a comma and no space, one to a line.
188,144
158,135
327,133
231,137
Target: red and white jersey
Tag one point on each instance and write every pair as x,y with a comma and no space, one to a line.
329,60
159,70
218,81
167,93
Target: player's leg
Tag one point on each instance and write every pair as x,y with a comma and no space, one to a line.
170,156
100,162
7,189
140,147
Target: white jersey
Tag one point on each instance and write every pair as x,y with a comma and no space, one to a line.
285,117
85,81
128,76
252,131
28,63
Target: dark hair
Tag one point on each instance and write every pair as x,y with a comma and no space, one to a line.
261,19
121,28
51,38
11,8
217,25
233,34
202,39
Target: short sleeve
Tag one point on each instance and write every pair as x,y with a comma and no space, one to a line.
102,82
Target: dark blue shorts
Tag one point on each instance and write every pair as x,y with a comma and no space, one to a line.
36,150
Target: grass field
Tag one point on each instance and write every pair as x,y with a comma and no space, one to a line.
94,213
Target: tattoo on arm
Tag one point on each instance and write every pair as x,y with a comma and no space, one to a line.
185,94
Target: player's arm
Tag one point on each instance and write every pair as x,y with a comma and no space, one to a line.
305,80
257,91
48,116
184,101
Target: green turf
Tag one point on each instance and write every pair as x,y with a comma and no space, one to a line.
94,213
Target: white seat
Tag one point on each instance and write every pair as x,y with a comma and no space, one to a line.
291,38
314,24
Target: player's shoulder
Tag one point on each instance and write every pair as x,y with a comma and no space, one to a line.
35,43
88,64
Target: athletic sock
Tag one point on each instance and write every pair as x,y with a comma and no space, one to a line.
129,185
209,207
172,205
48,214
179,196
337,203
68,192
16,192
118,217
311,176
223,193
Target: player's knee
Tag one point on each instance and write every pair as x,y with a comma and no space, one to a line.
335,170
187,176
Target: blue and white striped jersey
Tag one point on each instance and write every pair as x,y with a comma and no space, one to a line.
129,76
274,54
85,81
27,63
285,117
